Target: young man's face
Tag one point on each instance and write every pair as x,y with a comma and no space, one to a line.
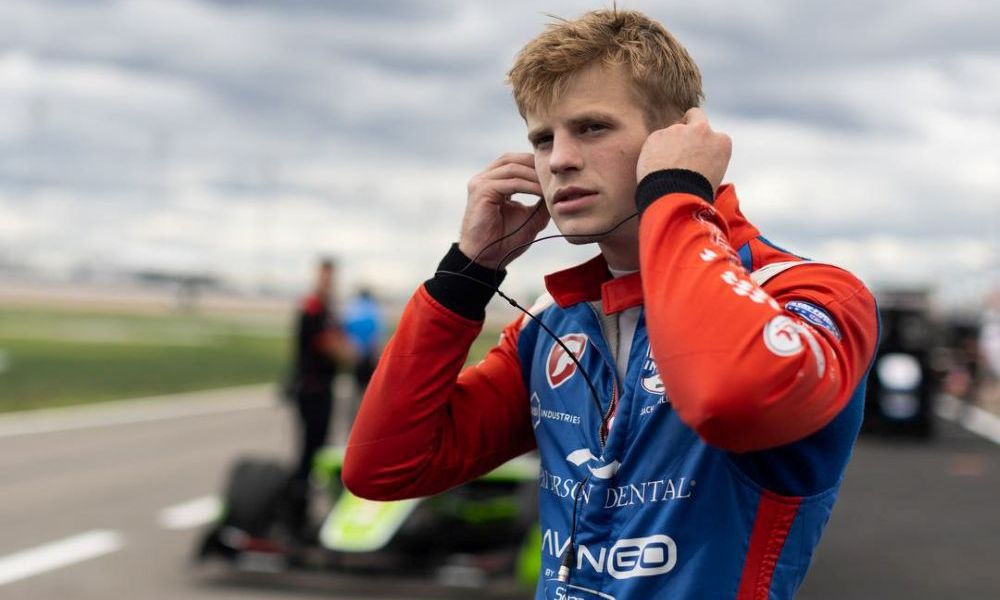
586,146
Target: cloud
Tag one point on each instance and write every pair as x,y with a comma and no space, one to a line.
245,137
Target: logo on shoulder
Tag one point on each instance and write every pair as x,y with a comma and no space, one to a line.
560,366
815,315
651,380
781,336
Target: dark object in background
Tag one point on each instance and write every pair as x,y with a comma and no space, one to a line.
259,484
482,533
255,489
902,383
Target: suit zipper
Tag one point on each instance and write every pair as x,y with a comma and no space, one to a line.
606,419
603,432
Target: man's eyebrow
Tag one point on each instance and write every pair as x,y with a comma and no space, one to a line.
575,121
537,132
594,115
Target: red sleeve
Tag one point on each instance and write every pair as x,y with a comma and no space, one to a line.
425,425
739,368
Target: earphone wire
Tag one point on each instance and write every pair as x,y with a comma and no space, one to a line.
515,304
496,274
496,288
500,265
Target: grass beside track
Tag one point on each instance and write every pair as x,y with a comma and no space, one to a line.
56,357
61,357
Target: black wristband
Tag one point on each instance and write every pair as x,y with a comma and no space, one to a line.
461,293
671,181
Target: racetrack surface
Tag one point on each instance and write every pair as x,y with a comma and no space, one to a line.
915,521
84,510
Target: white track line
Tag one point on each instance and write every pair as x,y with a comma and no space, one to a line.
191,514
972,418
140,410
58,554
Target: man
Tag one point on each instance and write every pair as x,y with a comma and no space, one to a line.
728,372
363,325
320,345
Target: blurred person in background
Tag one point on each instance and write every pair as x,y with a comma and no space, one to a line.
964,375
989,344
320,347
363,324
709,472
989,337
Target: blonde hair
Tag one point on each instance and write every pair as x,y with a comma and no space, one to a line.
665,79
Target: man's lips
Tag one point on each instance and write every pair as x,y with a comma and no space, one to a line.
571,193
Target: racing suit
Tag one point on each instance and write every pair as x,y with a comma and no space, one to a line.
713,464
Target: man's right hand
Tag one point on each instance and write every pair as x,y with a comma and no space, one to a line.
491,214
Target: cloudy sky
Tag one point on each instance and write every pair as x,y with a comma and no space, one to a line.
242,138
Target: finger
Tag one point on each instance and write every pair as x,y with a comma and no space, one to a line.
694,115
509,170
523,158
543,209
726,143
530,220
541,218
514,185
537,212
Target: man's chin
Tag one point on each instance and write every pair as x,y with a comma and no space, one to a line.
583,240
580,234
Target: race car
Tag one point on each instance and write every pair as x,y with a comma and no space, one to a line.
471,535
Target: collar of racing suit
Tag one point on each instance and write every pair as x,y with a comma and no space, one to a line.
592,280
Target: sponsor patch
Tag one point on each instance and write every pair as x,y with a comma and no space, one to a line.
815,315
784,337
538,412
781,336
628,558
560,367
651,380
557,590
584,456
642,557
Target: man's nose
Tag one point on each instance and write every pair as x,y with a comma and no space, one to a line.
565,154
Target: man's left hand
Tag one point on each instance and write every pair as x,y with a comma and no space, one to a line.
688,144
